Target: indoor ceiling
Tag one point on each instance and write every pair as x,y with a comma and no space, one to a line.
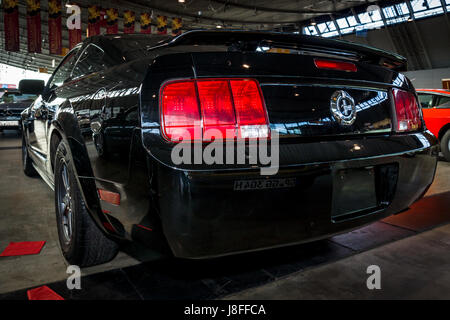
235,14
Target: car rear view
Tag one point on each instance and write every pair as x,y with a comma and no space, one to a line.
352,147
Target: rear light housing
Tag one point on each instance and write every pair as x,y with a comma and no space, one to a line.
212,108
408,114
335,65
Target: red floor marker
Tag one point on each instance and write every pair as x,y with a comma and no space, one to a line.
144,227
43,293
22,248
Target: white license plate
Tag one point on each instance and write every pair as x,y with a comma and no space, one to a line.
9,123
264,184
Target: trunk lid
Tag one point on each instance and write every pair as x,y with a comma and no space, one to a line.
298,94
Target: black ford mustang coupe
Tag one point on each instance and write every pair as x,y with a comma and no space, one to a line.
351,144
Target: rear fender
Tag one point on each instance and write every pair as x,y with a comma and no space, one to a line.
66,125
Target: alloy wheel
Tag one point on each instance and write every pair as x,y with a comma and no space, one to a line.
65,203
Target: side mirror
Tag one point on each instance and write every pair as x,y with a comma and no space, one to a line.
31,86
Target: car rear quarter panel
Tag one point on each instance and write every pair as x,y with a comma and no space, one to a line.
100,103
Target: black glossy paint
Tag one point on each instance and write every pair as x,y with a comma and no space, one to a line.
110,118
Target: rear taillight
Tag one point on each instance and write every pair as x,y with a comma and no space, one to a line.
335,65
210,109
180,108
407,111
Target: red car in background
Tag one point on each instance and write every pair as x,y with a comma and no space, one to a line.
436,113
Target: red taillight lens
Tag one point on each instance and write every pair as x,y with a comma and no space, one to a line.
335,65
407,111
251,113
180,110
216,108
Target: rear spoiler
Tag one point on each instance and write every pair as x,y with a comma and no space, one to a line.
249,40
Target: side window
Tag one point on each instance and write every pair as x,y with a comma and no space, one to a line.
91,60
426,100
443,102
63,72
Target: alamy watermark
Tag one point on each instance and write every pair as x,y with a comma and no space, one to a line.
251,150
74,20
74,279
374,280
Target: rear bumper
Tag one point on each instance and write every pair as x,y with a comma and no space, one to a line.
203,216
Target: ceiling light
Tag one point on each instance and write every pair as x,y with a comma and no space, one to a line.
218,26
181,1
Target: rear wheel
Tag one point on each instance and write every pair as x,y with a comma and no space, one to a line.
445,145
82,242
28,168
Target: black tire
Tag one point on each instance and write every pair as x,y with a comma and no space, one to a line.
445,145
27,164
82,242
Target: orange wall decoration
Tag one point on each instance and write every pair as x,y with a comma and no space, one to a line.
93,20
34,25
161,22
129,19
54,27
112,25
11,24
146,20
176,26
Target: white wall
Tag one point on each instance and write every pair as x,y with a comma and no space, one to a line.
431,78
12,75
433,31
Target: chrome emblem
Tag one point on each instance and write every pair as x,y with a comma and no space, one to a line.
343,107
